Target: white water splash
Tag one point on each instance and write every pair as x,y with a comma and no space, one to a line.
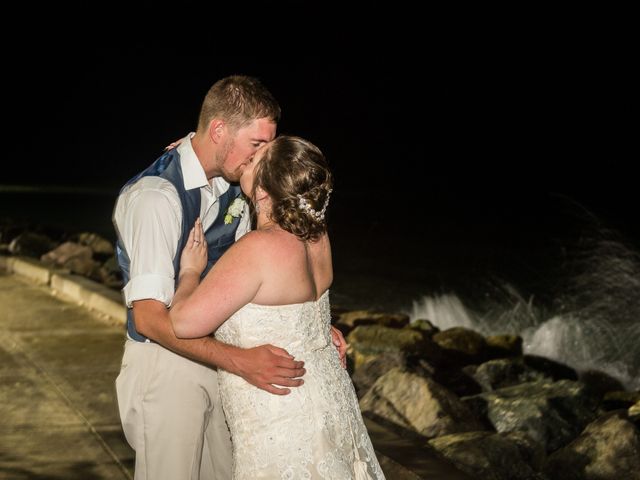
443,311
581,344
586,345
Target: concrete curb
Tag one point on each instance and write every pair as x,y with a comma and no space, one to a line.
108,303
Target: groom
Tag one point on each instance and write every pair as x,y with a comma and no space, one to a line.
167,389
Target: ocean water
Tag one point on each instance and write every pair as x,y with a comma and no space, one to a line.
59,209
541,266
391,249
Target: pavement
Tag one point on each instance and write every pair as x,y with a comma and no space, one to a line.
61,342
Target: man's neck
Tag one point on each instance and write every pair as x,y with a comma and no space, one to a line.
204,151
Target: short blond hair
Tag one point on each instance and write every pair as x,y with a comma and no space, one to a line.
238,100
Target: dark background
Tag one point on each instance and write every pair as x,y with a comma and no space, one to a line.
519,118
476,146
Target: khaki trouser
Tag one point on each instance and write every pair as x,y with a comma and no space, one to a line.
172,416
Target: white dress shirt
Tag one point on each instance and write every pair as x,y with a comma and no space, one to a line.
148,218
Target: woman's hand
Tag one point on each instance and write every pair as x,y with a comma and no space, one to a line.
177,142
194,253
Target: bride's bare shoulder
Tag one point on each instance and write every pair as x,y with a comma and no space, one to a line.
280,242
268,240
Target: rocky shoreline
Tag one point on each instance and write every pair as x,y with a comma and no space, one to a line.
483,405
82,253
476,400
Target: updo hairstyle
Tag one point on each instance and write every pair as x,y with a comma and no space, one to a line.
295,174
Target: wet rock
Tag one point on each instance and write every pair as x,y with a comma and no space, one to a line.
31,244
551,413
367,374
463,345
410,402
427,328
500,346
608,448
620,399
500,373
352,319
491,456
550,368
368,341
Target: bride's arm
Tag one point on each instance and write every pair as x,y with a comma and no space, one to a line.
199,309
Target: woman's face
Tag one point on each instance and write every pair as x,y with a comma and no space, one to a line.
247,178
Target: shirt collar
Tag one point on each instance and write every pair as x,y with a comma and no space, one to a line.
192,172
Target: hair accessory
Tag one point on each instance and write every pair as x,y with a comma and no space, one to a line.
303,204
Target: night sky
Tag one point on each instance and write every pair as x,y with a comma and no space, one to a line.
497,122
465,139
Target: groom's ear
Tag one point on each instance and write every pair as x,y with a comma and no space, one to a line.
216,130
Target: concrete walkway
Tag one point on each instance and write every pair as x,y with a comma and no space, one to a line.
61,340
58,414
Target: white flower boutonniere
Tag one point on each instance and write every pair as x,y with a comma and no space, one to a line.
235,210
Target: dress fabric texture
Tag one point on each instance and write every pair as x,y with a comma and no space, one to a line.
315,432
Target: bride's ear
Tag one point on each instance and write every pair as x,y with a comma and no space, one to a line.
261,194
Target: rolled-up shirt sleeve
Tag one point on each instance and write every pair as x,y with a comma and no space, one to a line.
150,226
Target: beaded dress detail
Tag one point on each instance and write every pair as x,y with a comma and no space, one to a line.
315,432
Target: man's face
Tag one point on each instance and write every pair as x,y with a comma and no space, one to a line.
239,149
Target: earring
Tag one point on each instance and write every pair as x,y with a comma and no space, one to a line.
257,208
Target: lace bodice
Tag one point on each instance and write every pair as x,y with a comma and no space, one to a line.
298,327
312,433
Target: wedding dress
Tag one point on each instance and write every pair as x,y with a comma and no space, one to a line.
315,432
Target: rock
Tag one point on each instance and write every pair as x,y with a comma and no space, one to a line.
101,247
600,382
352,319
551,413
368,341
409,402
550,368
608,448
457,380
634,413
503,372
489,456
462,345
31,244
620,399
66,252
367,374
427,328
499,346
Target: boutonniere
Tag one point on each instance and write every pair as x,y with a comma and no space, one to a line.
235,210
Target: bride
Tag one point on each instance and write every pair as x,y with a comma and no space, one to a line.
272,286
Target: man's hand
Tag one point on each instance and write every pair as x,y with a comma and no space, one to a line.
267,366
341,344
